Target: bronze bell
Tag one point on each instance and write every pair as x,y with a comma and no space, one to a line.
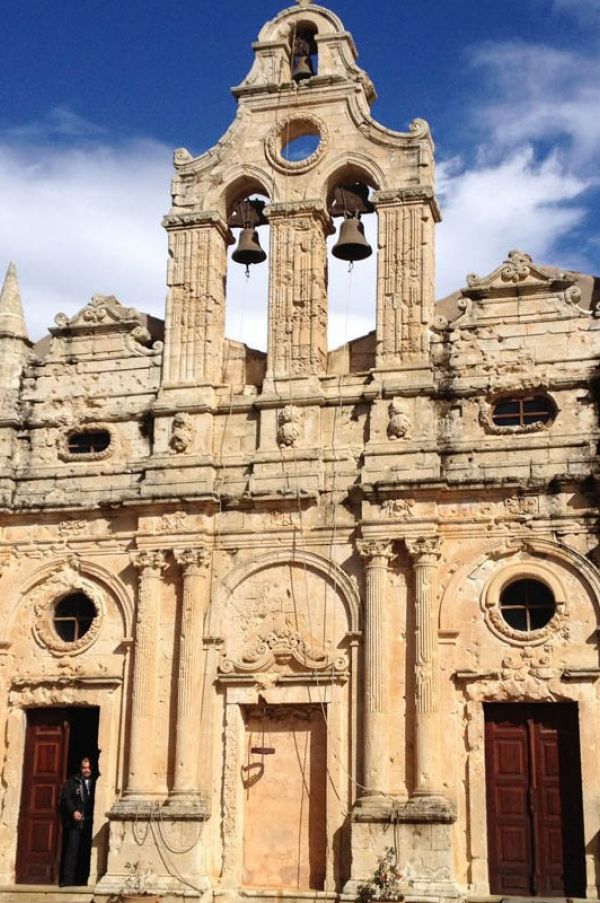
302,68
352,244
248,250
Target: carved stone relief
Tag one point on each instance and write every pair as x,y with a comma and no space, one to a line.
284,618
181,432
289,429
399,422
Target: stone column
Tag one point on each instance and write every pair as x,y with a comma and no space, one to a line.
425,553
141,780
377,554
190,681
405,275
297,343
195,318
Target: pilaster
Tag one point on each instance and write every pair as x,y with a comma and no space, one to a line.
141,781
297,343
192,720
405,275
425,554
377,555
195,319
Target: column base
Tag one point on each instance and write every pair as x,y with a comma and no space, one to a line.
422,828
187,800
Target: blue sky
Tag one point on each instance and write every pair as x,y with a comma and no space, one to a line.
97,94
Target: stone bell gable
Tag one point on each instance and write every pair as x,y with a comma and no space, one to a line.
306,606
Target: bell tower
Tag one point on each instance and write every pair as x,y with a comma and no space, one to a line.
304,83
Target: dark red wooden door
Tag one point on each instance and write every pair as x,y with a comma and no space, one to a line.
535,823
44,771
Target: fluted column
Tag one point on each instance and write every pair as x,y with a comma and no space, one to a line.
141,781
425,553
377,555
190,682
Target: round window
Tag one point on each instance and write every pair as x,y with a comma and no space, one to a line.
527,605
300,148
73,617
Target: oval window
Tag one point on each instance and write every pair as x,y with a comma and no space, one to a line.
523,411
73,616
527,605
88,442
300,148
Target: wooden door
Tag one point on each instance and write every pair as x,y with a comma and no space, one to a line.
44,771
534,810
284,780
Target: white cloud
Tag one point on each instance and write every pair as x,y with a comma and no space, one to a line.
516,202
82,220
540,93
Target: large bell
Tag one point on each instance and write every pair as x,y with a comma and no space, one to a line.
248,250
352,244
302,68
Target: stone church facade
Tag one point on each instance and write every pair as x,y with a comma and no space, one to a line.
307,605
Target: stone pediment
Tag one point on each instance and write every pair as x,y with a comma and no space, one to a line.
104,312
516,275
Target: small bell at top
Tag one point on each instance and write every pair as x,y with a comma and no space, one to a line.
352,244
248,250
302,68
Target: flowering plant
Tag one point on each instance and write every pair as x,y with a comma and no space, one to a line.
385,883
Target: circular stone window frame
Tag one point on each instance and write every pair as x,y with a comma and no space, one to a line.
292,127
46,597
65,454
492,592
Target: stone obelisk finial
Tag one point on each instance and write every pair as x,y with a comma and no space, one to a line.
304,2
12,320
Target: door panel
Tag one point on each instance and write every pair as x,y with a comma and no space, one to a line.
284,781
44,770
535,823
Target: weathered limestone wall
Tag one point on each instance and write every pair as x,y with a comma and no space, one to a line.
302,536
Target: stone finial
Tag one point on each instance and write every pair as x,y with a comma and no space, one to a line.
12,319
304,2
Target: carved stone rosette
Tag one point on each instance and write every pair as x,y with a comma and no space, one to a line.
425,554
150,564
377,554
194,563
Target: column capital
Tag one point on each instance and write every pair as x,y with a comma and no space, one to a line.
149,560
201,219
376,551
424,549
315,208
400,197
193,560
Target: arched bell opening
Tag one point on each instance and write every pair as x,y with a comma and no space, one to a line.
304,53
352,260
247,268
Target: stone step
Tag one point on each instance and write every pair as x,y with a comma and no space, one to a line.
44,893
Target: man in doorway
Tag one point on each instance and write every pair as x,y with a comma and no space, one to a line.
77,810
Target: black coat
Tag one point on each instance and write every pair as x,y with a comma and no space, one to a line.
75,798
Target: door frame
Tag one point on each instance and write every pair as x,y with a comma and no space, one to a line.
530,720
487,689
237,699
103,692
